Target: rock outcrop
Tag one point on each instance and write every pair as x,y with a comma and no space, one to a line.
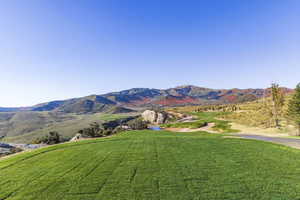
155,117
77,137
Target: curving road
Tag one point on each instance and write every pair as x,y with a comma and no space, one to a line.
292,142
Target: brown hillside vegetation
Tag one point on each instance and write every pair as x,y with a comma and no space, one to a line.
258,113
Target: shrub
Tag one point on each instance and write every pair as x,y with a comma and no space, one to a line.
138,124
15,150
93,131
52,137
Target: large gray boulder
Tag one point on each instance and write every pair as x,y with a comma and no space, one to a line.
149,116
154,117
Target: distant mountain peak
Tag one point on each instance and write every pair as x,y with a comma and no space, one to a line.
187,86
143,97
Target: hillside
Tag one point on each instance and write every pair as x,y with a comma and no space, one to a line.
153,165
145,97
68,116
256,114
24,127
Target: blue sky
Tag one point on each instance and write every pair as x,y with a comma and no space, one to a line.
57,49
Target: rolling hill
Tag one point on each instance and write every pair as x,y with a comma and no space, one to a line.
24,127
68,116
144,97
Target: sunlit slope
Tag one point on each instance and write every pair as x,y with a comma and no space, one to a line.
154,165
25,127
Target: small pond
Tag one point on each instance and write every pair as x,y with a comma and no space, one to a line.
155,128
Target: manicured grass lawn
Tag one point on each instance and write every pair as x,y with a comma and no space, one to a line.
203,119
154,165
197,124
210,117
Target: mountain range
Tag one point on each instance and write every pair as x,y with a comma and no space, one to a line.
134,98
24,124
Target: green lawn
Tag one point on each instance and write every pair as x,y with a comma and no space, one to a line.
203,119
196,124
154,165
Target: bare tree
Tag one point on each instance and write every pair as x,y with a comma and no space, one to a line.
277,101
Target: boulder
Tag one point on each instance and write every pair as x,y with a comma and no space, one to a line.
77,137
154,117
161,118
149,116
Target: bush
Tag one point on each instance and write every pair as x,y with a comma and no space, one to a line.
52,137
115,123
93,131
138,124
15,150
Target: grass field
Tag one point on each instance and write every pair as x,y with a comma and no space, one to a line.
196,124
203,119
154,165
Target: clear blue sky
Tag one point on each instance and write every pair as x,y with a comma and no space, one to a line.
57,49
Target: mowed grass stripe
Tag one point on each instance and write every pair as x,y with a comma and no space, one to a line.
54,172
96,181
121,175
43,165
154,165
172,183
5,163
81,181
54,164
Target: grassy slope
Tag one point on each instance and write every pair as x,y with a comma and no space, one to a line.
196,124
211,117
259,113
203,119
67,128
253,117
154,165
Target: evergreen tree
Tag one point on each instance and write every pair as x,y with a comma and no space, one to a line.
294,108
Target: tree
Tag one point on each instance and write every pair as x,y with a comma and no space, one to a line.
277,101
52,137
138,124
93,131
294,108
